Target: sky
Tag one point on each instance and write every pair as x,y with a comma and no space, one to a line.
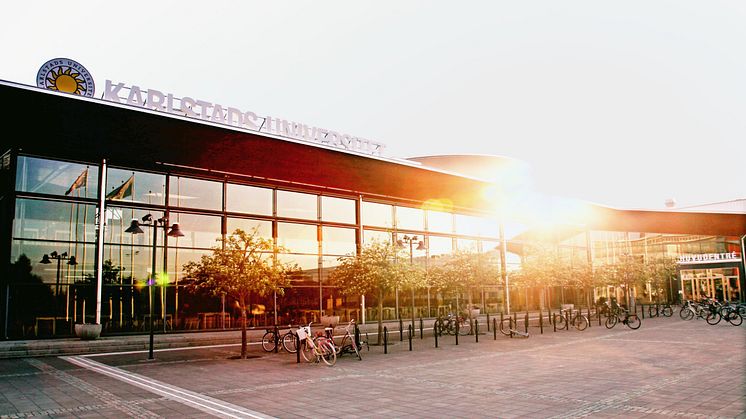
625,104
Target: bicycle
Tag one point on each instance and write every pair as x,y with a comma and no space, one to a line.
348,344
315,350
286,340
566,317
660,309
631,320
451,324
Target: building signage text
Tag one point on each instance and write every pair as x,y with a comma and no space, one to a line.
213,112
710,257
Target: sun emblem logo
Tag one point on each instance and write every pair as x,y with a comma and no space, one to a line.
65,75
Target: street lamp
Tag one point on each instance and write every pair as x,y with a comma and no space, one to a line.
46,259
420,246
173,231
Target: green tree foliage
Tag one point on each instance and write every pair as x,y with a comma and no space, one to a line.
462,272
243,265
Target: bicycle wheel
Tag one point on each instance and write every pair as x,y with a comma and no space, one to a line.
268,341
580,322
734,318
506,325
611,321
327,352
560,322
687,314
667,311
289,343
464,326
713,318
307,352
633,322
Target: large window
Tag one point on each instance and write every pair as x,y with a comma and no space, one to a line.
378,215
439,245
297,205
337,210
338,241
195,193
371,236
199,230
130,186
248,200
298,238
263,228
56,178
51,220
439,222
410,218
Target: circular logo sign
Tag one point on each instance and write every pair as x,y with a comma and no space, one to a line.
65,75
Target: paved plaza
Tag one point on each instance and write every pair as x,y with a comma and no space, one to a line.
667,368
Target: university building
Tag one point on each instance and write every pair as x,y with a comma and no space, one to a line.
78,170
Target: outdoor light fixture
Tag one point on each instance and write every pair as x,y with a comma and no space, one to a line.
420,246
47,259
173,231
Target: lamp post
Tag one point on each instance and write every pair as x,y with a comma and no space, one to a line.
420,246
173,231
46,259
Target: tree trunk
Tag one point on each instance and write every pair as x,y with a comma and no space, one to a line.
243,332
380,316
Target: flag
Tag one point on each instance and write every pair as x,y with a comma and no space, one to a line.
81,180
124,190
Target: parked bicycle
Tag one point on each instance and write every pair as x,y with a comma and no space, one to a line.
572,318
451,324
631,320
315,350
348,344
286,340
664,309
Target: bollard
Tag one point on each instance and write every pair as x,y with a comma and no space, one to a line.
277,339
526,323
421,328
488,321
357,334
435,333
410,332
599,317
297,347
642,308
494,329
589,316
501,319
476,330
385,340
457,322
554,321
541,322
401,330
515,322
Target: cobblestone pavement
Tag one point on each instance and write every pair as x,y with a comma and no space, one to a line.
667,368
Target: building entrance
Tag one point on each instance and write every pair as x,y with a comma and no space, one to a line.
721,284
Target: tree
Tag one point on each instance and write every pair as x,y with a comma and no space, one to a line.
29,296
243,265
377,269
461,272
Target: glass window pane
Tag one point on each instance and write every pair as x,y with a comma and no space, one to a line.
264,228
378,215
119,219
297,205
468,225
439,245
490,246
309,275
441,222
338,241
370,236
248,199
50,220
337,210
298,238
328,263
410,218
199,230
136,261
178,257
131,186
56,177
195,193
466,245
513,229
30,253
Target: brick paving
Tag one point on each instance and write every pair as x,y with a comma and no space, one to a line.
667,368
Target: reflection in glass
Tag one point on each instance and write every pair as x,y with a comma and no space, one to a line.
34,251
264,228
440,222
248,199
338,241
195,193
50,220
410,218
466,245
118,219
371,236
337,210
135,261
131,186
297,205
439,245
309,264
378,215
56,178
199,230
298,238
490,246
328,263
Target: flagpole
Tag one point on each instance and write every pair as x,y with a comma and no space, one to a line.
100,239
85,231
